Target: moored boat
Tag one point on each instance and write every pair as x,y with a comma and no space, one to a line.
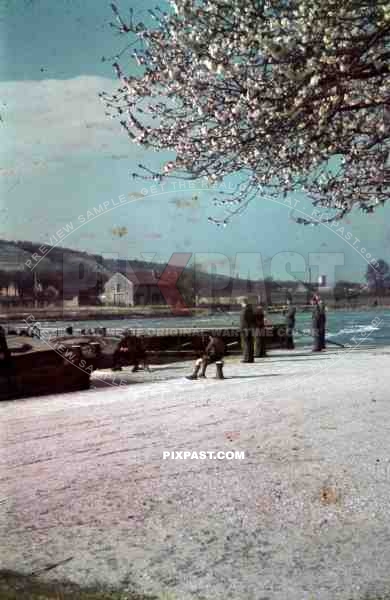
39,366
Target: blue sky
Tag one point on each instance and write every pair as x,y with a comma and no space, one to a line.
61,156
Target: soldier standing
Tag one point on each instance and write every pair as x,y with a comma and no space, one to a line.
247,326
5,353
260,346
290,324
322,323
5,357
316,325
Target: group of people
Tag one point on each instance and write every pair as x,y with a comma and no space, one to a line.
131,350
253,333
253,336
252,329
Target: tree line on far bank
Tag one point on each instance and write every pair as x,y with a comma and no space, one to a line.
49,290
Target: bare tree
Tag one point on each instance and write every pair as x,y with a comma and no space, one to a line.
378,277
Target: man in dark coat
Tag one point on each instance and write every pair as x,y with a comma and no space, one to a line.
260,333
6,364
316,325
5,354
247,327
131,350
322,323
290,324
213,353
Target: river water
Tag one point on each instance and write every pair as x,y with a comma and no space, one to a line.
353,327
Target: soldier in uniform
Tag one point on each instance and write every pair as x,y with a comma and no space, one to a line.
131,350
247,327
290,324
6,365
213,353
316,324
260,333
322,323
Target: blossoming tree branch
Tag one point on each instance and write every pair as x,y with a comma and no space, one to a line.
288,95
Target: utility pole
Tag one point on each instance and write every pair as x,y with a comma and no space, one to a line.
36,289
309,290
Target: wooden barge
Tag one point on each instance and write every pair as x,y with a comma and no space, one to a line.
52,365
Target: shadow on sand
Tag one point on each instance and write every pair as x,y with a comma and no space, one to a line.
292,355
15,586
251,376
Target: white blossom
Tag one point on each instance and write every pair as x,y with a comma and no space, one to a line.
277,90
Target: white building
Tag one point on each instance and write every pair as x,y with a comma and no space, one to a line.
70,301
118,291
322,281
10,290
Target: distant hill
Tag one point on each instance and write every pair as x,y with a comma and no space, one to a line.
14,257
16,261
64,264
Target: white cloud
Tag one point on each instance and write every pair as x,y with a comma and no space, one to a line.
54,119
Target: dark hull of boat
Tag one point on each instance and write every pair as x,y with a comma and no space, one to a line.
40,373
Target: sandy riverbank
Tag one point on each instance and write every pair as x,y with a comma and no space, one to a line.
303,516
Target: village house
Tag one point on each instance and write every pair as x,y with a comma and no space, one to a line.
70,300
140,288
11,290
118,291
